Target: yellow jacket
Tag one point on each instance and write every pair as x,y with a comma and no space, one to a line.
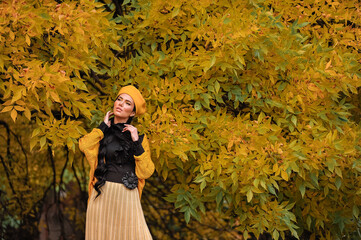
89,145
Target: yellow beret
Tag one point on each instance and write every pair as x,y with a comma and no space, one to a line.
137,98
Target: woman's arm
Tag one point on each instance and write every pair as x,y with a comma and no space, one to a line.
89,145
144,166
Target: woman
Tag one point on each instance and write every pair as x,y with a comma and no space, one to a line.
120,162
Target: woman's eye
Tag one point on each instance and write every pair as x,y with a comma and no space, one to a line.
128,103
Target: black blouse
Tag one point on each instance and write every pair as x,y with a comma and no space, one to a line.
119,150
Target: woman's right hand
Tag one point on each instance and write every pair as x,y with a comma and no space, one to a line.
107,116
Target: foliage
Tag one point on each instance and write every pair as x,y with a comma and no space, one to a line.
249,104
45,48
251,110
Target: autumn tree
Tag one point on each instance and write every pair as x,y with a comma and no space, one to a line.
45,47
249,107
57,79
252,109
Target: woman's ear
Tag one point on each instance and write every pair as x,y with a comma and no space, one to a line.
132,114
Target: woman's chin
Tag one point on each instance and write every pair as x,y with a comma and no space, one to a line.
118,115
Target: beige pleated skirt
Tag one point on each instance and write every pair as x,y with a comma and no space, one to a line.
115,215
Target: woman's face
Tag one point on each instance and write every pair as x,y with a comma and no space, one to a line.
123,107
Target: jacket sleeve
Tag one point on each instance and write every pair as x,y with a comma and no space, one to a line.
89,145
144,166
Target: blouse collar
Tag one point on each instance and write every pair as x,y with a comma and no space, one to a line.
119,126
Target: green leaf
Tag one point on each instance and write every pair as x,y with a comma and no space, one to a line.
304,24
153,46
275,234
282,86
314,179
338,171
309,221
355,211
217,86
227,20
273,138
213,61
249,88
187,215
161,56
331,164
45,16
175,12
271,189
219,198
197,106
183,37
338,182
294,120
203,185
302,189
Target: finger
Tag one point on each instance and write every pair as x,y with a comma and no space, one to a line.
106,117
130,126
127,129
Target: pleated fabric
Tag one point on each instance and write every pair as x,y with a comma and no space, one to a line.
116,215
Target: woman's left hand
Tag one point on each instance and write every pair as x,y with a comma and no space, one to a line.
133,131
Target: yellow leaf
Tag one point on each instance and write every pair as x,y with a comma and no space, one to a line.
230,144
249,195
157,150
312,87
42,142
18,108
256,190
275,167
66,111
12,35
8,102
27,113
284,175
27,39
55,96
33,142
18,93
35,132
14,114
328,64
69,143
19,102
6,109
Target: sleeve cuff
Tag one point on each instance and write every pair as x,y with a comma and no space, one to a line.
138,148
103,126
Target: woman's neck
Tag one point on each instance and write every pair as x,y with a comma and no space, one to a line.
120,120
